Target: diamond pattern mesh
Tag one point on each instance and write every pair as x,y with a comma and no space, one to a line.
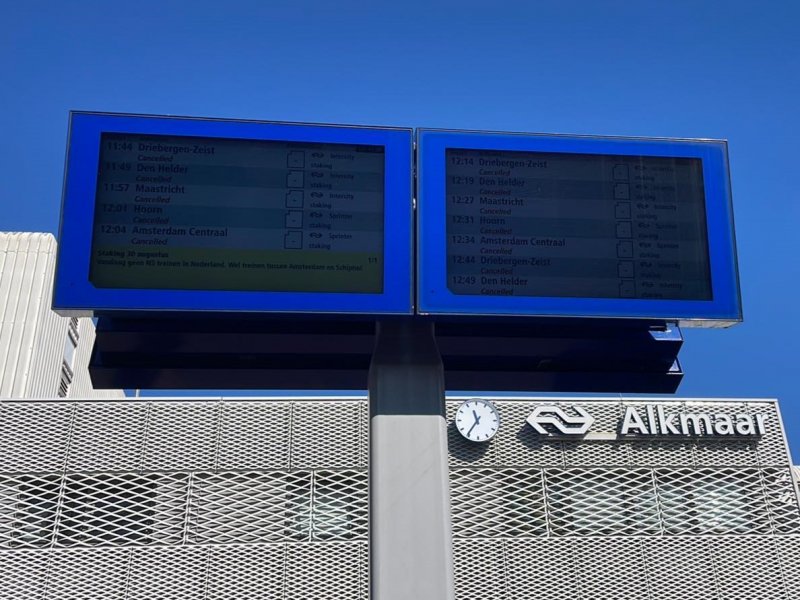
747,568
107,437
542,569
168,573
238,508
327,435
184,499
781,500
94,574
789,552
704,501
28,510
611,568
680,568
598,453
493,503
23,574
34,436
181,436
239,572
333,568
255,435
269,499
479,569
601,502
335,495
497,503
122,509
771,448
657,518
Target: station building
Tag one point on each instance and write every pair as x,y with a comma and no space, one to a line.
268,498
42,355
222,498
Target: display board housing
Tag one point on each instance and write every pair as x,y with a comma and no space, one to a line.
575,226
187,215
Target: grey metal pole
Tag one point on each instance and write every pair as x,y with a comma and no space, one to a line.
410,532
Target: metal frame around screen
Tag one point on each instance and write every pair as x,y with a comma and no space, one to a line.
74,294
434,297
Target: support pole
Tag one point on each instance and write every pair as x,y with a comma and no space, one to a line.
410,532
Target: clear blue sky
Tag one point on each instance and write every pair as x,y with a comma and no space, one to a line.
680,68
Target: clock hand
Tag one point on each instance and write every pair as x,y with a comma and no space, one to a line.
477,418
471,428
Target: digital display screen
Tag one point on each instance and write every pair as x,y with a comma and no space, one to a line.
205,213
570,225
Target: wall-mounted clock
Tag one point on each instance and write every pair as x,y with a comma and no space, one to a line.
477,420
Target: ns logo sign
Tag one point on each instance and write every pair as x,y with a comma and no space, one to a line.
645,420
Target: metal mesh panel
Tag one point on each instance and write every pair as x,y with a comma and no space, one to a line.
789,550
232,508
662,453
626,519
184,499
517,444
34,436
703,501
771,447
329,570
723,452
326,435
168,573
747,568
23,574
28,510
255,435
479,570
601,502
611,569
181,436
680,568
239,572
251,499
781,500
122,509
497,503
107,437
720,567
340,501
542,569
584,454
88,574
363,435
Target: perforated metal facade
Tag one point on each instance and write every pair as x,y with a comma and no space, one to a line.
626,518
231,498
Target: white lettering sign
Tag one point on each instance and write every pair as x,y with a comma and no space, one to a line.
656,421
647,420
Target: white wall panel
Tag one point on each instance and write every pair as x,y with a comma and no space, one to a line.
32,336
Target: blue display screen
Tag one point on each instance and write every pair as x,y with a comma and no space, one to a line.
575,226
189,214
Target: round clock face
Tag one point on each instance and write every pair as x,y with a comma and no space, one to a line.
477,420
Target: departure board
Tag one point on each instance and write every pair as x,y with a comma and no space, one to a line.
545,225
555,224
205,213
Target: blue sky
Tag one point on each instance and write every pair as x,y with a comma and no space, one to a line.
681,68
